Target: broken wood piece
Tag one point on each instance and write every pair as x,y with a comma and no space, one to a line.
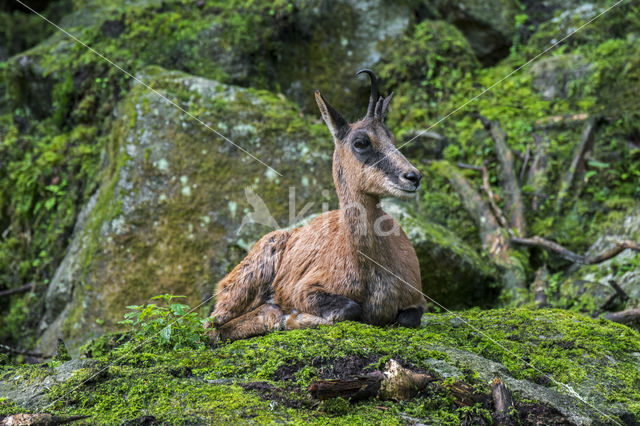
502,403
395,383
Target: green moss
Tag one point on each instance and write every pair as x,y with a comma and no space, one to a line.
596,358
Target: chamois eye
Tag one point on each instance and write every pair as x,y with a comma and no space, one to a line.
361,144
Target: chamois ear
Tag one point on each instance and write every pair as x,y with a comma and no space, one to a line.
337,125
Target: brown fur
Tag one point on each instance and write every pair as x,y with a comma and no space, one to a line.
320,273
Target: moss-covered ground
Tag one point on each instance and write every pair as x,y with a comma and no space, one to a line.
265,379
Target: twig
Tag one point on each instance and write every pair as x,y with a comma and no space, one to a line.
11,291
9,349
511,189
469,166
577,164
536,241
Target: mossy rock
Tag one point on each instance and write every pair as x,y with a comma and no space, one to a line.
588,288
562,368
168,217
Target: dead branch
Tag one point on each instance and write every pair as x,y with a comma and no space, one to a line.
11,291
472,202
630,317
539,287
619,291
502,403
11,350
538,171
536,241
577,164
492,199
513,195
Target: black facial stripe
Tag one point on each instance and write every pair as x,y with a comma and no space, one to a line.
381,162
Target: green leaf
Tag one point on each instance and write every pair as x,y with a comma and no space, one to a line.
598,164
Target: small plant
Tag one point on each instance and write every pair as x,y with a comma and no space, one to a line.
173,326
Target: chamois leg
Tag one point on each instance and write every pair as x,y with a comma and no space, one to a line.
410,317
333,307
322,309
255,323
248,286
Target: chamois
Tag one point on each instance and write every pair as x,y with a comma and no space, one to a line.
327,270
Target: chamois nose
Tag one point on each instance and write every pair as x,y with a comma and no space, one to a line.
413,177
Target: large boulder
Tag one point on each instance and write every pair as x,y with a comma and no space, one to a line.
562,368
453,274
168,217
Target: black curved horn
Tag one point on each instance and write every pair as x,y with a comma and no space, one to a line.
373,99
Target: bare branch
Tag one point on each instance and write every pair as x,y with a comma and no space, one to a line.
511,189
536,241
12,291
577,164
525,162
469,166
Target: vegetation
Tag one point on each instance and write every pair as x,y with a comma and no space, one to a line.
110,195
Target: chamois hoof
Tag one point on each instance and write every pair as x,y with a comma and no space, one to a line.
410,318
213,335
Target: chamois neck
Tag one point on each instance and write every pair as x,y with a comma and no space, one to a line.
359,214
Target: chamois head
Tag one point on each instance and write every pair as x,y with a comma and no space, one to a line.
365,159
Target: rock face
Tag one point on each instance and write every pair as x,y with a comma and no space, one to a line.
561,367
553,76
489,26
167,217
